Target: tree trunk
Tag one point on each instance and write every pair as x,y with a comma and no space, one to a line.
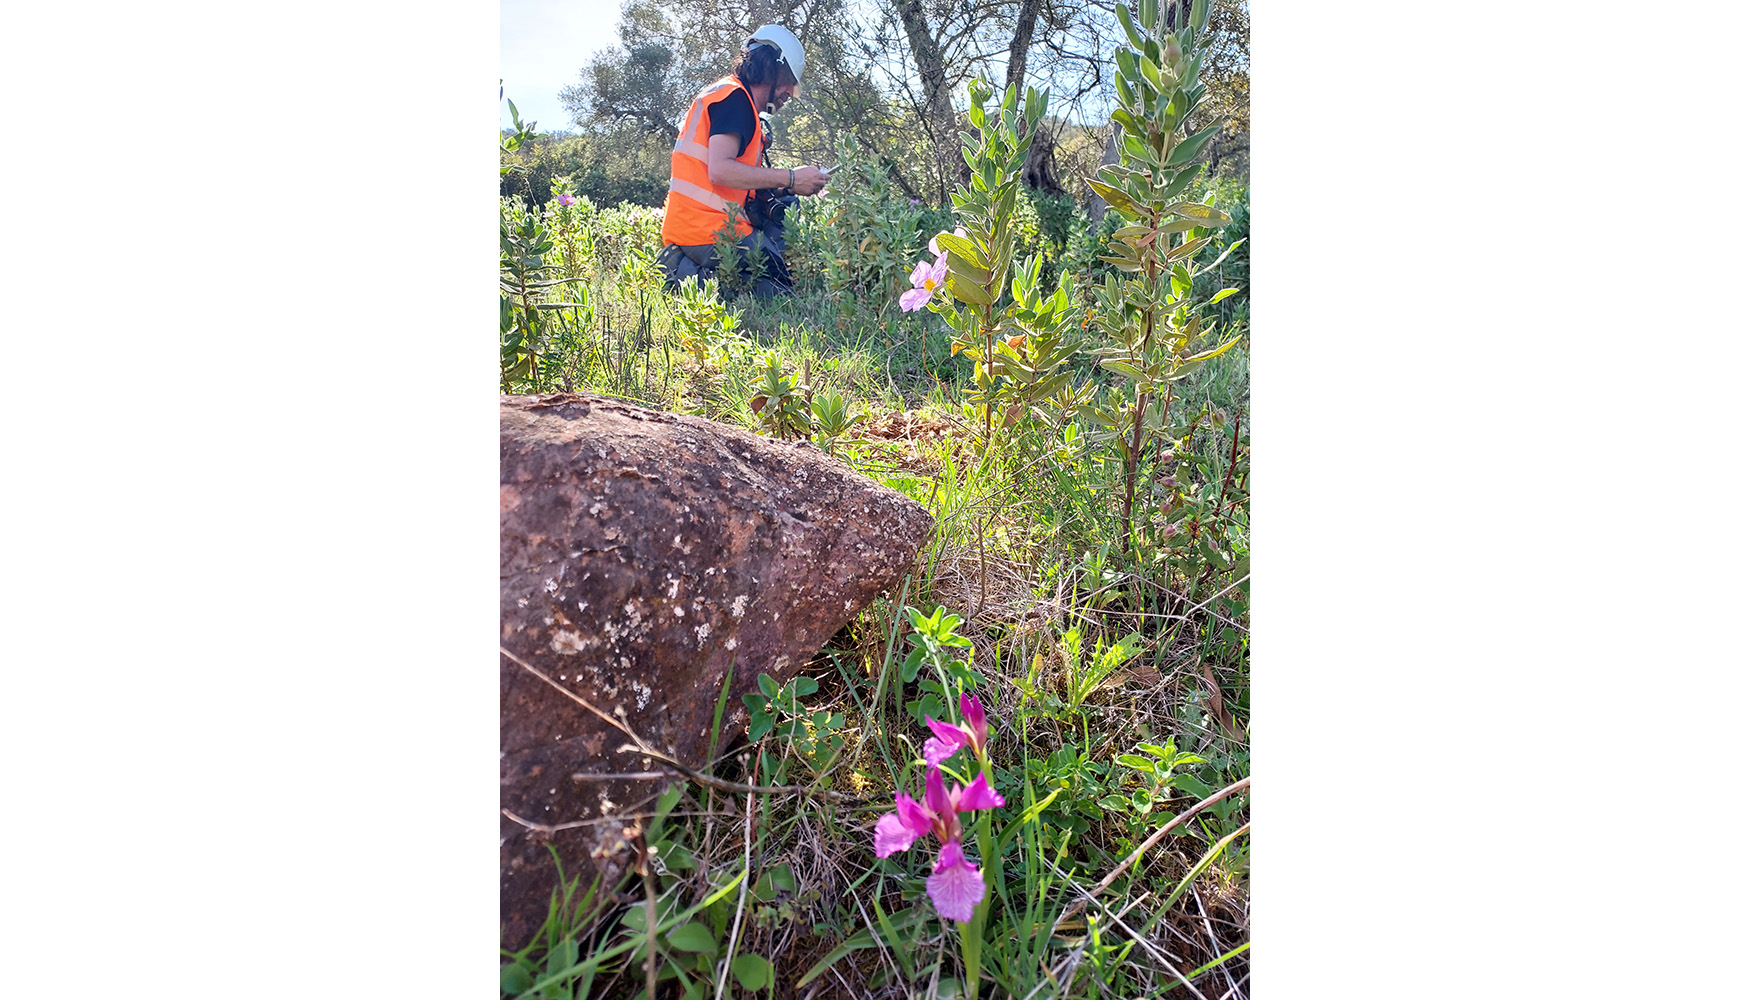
944,138
1041,148
1019,45
1039,172
1096,204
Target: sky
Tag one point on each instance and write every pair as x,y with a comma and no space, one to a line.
542,44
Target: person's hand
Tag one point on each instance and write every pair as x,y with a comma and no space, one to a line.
809,180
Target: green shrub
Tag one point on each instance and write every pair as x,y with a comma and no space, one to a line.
856,240
609,165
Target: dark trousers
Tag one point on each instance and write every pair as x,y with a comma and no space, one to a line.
680,263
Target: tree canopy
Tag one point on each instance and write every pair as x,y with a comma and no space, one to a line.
891,76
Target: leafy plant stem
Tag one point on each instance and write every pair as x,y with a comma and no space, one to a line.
1233,456
972,932
989,347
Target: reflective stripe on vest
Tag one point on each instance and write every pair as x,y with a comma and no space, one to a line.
697,209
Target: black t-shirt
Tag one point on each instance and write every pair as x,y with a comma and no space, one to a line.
734,116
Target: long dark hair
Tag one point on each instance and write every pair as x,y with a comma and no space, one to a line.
762,63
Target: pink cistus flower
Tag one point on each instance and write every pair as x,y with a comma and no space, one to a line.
566,199
949,739
955,885
925,279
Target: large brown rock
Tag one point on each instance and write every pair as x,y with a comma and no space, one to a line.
642,554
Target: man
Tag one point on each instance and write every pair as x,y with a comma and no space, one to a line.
719,167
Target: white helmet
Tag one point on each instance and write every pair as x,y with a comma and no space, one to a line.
789,49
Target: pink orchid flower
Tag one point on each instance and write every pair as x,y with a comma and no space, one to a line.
949,739
955,885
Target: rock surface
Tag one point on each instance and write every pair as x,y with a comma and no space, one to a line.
642,555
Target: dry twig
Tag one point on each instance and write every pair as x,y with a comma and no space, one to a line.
741,901
1207,929
1155,837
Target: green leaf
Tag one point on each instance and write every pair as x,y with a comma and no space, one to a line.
1151,70
1192,144
678,857
1126,60
694,936
861,939
1132,760
1224,293
753,972
1203,214
1190,783
1123,248
1206,355
908,670
514,979
805,685
1230,249
864,939
960,246
1114,197
971,272
968,292
766,889
768,685
1123,368
1129,26
758,725
1184,251
1133,126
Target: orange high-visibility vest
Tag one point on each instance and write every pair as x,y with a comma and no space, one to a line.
695,209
